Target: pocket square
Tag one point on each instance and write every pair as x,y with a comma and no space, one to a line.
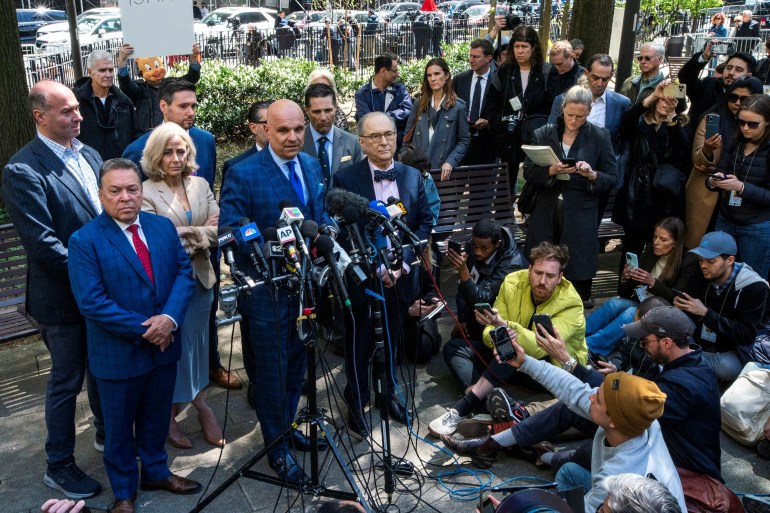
345,158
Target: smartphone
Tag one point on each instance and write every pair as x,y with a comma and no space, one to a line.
675,90
716,177
594,358
503,343
569,162
432,314
632,260
455,246
677,292
543,320
480,307
486,506
712,125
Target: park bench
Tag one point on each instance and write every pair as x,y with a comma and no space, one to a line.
674,65
14,322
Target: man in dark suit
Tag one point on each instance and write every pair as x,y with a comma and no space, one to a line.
132,281
256,117
747,28
178,103
50,191
254,189
471,86
379,177
334,148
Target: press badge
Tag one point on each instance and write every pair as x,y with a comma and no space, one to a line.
708,335
735,200
515,104
641,292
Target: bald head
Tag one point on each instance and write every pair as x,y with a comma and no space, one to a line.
56,111
285,128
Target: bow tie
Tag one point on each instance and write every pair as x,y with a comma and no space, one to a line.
384,175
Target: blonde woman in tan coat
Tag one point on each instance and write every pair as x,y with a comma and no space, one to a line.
173,192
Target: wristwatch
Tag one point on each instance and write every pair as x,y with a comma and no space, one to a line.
569,365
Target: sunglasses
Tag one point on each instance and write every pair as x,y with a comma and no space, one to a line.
735,98
646,58
751,124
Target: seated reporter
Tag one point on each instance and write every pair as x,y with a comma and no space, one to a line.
173,191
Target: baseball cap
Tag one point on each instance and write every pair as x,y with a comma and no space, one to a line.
664,321
714,244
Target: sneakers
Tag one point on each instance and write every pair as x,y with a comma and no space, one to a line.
504,410
446,424
99,446
72,482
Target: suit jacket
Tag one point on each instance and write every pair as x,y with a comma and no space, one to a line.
358,179
345,149
159,199
451,137
233,161
116,296
462,85
617,105
47,205
399,109
254,188
206,153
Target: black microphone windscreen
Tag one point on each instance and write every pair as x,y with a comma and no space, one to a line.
338,199
270,233
285,203
350,214
324,244
309,229
244,221
223,230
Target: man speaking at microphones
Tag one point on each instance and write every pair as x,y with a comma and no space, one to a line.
378,177
254,189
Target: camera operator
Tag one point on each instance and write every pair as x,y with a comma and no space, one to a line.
704,93
506,22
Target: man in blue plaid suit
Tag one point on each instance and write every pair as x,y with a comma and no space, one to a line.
132,281
254,189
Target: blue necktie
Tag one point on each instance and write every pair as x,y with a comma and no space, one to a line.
295,181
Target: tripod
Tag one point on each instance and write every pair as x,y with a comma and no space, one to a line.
310,414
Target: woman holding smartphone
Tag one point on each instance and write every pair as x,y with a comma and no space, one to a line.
742,179
664,266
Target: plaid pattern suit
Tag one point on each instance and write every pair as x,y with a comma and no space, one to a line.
135,378
254,189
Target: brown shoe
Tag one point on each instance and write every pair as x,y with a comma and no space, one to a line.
482,451
123,506
174,484
225,379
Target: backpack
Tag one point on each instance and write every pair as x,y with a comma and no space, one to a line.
746,405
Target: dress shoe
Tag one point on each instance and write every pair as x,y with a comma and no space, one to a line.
288,470
174,484
212,433
123,506
533,453
301,442
482,451
225,379
395,410
180,442
357,427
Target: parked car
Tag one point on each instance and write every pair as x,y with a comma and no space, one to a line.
64,26
30,20
90,29
390,11
461,7
478,15
229,18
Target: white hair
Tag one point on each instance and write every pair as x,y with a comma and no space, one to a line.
96,56
632,493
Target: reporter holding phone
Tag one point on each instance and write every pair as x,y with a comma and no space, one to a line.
742,178
655,151
567,203
700,203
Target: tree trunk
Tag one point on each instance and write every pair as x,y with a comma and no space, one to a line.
545,26
592,23
565,18
16,123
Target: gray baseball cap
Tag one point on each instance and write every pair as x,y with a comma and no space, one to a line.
664,321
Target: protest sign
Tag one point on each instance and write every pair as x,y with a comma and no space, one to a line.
157,27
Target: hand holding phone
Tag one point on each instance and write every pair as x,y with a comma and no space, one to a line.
632,260
503,344
544,320
455,246
569,162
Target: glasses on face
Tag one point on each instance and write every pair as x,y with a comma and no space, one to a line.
735,98
645,342
645,58
751,124
375,138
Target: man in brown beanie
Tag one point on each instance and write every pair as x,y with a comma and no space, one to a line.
628,440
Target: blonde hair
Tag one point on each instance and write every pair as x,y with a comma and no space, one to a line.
156,145
320,73
563,47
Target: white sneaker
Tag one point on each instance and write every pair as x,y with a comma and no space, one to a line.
446,424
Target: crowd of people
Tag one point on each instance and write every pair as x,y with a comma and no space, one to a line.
114,201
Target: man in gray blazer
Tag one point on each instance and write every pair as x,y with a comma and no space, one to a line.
50,190
334,148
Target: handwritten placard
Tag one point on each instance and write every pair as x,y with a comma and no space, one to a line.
157,27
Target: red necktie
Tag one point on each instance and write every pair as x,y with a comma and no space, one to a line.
142,251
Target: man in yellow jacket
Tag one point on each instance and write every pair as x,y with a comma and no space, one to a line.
541,289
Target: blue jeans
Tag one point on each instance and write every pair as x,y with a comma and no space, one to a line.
753,243
571,475
727,365
604,327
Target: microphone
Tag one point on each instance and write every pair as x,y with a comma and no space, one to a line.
350,217
337,200
228,245
378,212
286,238
309,231
397,210
324,246
250,234
293,217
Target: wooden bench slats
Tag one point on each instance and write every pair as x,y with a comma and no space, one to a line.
13,281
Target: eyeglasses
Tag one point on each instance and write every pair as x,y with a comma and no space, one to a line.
644,342
646,58
375,138
735,98
751,124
